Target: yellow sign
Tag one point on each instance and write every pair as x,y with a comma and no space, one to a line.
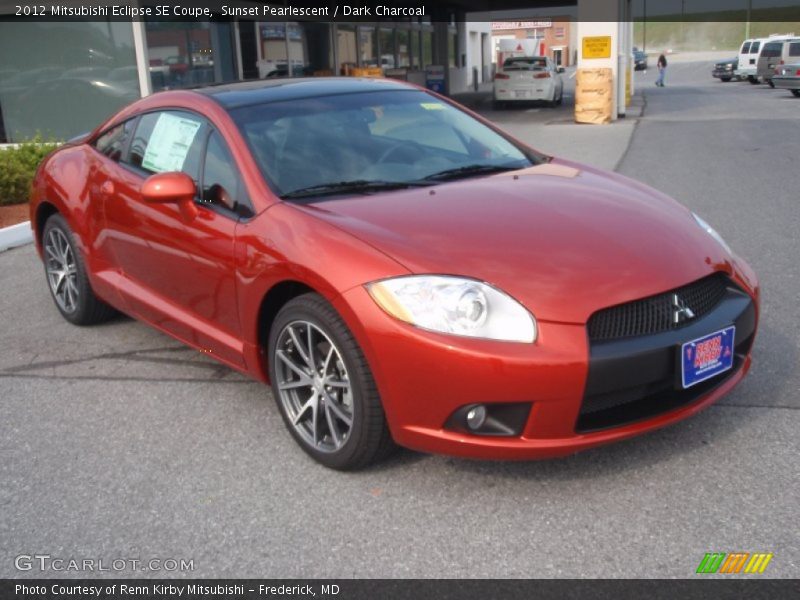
597,46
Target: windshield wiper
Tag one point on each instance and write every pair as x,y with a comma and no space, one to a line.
356,186
469,170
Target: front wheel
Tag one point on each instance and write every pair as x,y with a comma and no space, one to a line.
725,79
67,278
324,387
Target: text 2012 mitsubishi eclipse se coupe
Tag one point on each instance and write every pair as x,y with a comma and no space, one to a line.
399,270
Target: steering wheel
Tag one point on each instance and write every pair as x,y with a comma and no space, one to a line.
413,148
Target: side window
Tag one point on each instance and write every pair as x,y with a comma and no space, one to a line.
113,141
754,47
168,141
794,49
222,185
745,48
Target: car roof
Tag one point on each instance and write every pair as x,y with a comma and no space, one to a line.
246,93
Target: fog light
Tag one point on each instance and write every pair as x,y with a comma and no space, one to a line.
476,417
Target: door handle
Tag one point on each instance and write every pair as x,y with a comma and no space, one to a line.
107,188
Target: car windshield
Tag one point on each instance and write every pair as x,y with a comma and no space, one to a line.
367,142
524,64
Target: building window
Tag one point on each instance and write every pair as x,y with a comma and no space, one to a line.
186,54
559,32
368,46
311,50
346,48
63,78
387,48
427,48
403,48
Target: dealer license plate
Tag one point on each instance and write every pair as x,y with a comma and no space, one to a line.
708,356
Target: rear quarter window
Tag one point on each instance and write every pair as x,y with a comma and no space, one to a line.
794,49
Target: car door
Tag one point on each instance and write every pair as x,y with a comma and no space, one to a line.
177,270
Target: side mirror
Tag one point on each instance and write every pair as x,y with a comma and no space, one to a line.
560,69
175,187
172,188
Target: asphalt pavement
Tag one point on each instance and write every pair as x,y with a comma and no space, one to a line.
118,443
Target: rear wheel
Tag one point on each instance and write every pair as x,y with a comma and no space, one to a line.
67,278
725,79
753,80
796,93
324,387
772,85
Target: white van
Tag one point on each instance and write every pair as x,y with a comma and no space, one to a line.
750,53
748,59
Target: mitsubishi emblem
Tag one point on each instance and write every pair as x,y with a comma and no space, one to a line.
680,312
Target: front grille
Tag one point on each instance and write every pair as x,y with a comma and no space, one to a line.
656,313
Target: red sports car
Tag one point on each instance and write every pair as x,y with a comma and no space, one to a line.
400,270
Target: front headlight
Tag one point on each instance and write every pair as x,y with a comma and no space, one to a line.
455,305
713,233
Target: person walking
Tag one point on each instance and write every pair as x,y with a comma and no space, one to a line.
662,69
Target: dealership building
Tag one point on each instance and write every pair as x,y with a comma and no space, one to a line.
61,78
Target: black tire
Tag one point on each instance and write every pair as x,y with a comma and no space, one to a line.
86,308
725,79
752,80
368,439
498,105
796,93
770,83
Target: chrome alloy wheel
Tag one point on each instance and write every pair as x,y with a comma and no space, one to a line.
62,272
314,386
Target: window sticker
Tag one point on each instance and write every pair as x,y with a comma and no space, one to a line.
432,105
169,143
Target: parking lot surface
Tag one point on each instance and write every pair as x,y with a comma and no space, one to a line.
118,442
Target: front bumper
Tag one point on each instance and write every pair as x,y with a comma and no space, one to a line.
723,73
424,378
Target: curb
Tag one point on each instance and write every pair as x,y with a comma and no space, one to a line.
16,235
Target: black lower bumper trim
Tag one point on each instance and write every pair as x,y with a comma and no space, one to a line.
636,378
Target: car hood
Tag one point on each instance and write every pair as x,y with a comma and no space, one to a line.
562,238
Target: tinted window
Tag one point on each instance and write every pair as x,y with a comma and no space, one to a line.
221,183
113,141
771,50
754,47
794,49
745,48
168,141
524,63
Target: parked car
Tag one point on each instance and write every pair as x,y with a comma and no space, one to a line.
725,70
639,60
399,269
768,59
787,77
526,79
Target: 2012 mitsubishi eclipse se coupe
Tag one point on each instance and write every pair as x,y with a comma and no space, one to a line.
400,270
